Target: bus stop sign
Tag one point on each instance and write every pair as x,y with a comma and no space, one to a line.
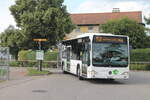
39,55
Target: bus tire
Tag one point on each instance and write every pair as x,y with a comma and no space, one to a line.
62,64
64,72
63,68
78,74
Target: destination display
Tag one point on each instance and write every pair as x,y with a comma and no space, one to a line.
108,39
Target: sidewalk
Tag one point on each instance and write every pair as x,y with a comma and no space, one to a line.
18,75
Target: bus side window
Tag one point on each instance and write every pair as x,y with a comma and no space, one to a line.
64,54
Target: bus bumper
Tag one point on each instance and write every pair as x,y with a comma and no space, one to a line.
108,73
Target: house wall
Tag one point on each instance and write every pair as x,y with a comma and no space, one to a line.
83,29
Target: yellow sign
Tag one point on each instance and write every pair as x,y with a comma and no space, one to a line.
109,39
40,40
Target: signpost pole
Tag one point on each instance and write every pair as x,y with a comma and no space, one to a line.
40,61
40,53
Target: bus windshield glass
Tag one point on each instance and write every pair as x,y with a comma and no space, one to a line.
109,51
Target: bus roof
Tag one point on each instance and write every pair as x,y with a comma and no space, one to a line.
92,34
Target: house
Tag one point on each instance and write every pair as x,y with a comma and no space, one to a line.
90,22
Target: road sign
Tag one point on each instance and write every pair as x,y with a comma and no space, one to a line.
39,55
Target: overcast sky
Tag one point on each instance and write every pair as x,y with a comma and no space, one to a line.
81,6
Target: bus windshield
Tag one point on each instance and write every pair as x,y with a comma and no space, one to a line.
110,54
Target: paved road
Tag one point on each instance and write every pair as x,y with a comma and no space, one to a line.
68,87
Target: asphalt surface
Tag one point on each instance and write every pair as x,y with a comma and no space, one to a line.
58,86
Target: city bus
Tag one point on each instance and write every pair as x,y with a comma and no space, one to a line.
96,56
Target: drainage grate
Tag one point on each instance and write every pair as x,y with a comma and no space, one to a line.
39,91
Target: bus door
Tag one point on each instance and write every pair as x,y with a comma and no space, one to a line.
68,57
85,60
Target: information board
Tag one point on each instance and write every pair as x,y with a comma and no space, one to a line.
39,55
110,39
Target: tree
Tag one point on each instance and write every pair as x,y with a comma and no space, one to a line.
42,19
11,38
128,27
147,20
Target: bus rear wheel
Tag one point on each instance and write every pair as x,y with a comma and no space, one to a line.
63,68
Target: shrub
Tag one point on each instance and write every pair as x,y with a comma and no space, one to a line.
51,56
14,63
49,64
147,66
138,66
27,63
22,55
140,55
27,55
31,64
31,55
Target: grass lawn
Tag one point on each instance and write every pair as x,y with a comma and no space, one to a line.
34,72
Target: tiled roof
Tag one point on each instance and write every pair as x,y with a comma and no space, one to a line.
101,18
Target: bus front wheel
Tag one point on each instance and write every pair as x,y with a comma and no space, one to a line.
78,74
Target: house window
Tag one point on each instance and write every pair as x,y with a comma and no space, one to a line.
90,29
77,29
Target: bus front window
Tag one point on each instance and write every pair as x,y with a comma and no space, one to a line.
110,55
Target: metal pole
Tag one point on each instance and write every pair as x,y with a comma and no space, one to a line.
40,61
8,67
39,45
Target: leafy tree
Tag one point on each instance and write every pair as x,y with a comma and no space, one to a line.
147,20
128,27
11,38
41,19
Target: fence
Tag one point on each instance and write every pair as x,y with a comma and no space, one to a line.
140,65
4,63
33,63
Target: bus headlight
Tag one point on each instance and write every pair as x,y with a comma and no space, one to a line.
125,73
93,72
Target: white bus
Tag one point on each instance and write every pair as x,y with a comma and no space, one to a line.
97,55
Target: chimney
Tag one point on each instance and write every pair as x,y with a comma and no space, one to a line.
116,10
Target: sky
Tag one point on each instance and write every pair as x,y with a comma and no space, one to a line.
81,6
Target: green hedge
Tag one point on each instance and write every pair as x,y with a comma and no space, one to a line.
140,55
14,63
27,58
51,56
140,66
31,55
27,55
32,64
